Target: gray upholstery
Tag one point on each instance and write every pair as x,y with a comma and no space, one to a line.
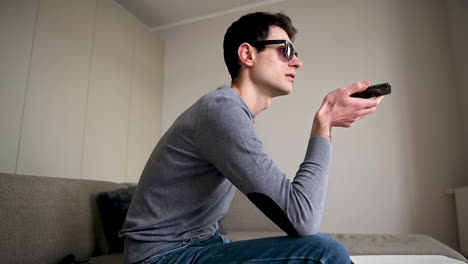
44,219
395,244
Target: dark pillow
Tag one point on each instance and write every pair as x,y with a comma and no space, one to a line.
113,207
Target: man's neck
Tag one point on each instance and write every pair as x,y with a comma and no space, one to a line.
253,97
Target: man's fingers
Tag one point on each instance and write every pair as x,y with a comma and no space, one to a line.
369,103
360,115
358,87
379,99
367,111
345,110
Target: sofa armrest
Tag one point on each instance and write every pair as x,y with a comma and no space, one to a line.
50,218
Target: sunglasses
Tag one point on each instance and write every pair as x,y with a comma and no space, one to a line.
288,49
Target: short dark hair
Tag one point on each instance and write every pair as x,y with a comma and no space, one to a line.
250,27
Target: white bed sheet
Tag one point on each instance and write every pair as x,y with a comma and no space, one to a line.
404,259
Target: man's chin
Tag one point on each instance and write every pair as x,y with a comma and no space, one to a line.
286,90
281,91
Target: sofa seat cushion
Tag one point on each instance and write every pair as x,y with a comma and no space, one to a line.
395,244
371,244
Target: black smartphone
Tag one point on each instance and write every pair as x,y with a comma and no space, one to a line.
374,91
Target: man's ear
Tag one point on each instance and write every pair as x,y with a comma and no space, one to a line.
246,54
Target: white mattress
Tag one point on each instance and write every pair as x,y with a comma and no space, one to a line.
404,259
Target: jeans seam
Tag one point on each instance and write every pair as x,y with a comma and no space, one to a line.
285,258
151,258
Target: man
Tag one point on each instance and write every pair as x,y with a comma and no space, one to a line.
212,148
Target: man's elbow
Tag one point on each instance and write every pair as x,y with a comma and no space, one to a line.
307,229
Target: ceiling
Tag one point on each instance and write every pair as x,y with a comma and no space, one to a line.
162,14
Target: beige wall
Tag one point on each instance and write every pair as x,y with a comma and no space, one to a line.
391,170
458,37
80,90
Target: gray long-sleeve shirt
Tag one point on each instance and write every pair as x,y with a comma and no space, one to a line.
188,183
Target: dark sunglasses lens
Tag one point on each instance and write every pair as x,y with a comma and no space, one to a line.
289,51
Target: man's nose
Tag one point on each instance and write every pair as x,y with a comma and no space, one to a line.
295,62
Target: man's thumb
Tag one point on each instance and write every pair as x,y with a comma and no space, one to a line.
359,86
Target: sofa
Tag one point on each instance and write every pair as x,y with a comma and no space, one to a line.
58,220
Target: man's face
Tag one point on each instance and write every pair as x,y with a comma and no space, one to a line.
272,70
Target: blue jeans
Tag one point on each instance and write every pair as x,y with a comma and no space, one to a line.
318,248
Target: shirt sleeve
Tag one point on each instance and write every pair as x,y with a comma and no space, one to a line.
226,137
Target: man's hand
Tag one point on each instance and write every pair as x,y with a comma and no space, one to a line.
340,110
